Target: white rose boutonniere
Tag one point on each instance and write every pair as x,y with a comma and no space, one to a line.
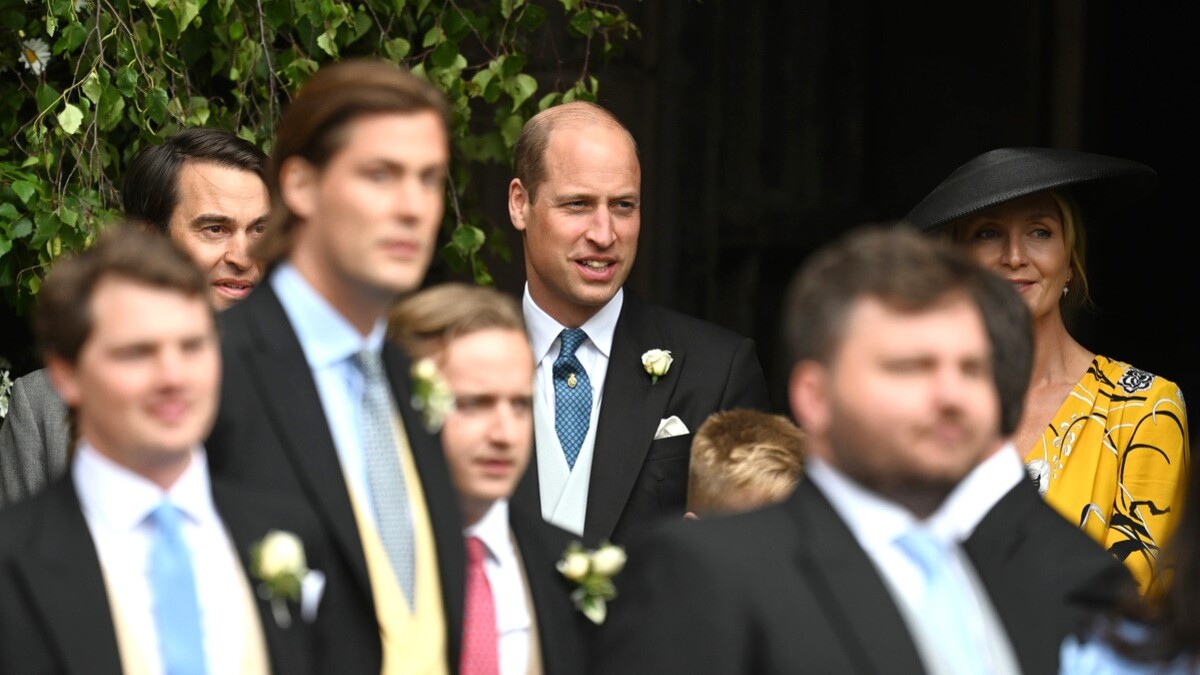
593,572
656,362
431,395
278,562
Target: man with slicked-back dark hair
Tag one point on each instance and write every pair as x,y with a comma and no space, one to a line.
204,189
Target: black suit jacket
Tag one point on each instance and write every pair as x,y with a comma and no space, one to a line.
635,479
54,611
562,630
1040,568
787,589
271,433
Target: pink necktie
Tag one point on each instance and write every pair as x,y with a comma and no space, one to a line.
480,655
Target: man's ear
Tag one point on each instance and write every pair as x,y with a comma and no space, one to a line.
65,379
518,202
298,180
809,396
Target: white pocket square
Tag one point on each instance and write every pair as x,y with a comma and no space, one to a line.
670,428
312,587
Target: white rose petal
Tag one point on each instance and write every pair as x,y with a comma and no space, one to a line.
574,565
657,362
281,553
608,560
425,369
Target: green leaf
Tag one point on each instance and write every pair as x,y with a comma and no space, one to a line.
91,87
512,64
156,105
22,228
432,37
185,11
397,48
69,216
510,128
521,89
444,55
326,41
108,112
70,118
583,23
8,212
467,238
127,79
46,97
237,30
549,100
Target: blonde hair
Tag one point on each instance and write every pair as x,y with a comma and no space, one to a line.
424,322
1076,244
743,459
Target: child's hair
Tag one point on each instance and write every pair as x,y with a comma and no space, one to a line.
743,459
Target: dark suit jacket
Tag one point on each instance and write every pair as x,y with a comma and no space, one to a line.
271,433
561,628
1040,568
636,479
787,589
33,439
54,611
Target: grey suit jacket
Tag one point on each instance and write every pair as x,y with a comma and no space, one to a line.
34,438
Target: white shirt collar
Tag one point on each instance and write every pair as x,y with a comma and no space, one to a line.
543,329
877,522
874,521
975,495
492,530
120,499
325,335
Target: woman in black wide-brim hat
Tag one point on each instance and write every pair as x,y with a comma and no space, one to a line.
1107,442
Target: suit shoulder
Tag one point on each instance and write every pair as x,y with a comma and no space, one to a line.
687,328
21,521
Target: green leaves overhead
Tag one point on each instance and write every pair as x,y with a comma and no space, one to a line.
112,77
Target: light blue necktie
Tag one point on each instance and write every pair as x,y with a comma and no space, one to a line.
572,395
385,475
176,609
943,609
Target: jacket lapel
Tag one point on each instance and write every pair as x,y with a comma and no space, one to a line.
849,587
440,500
63,574
246,525
630,411
286,386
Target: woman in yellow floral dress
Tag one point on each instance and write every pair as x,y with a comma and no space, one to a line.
1106,442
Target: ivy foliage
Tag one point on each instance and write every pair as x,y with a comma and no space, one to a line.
86,84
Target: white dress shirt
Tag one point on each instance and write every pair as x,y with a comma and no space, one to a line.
116,503
503,569
877,523
564,491
330,344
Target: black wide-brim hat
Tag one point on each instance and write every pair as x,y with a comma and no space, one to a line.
1097,182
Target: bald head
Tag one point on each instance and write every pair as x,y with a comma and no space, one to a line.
529,161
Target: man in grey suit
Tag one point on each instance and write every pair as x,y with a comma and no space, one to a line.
202,188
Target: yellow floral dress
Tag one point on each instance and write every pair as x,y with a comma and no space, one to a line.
1114,460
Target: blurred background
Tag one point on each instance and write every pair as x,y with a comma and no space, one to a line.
768,127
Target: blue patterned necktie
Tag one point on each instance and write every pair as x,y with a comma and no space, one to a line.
572,395
385,474
176,609
943,608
